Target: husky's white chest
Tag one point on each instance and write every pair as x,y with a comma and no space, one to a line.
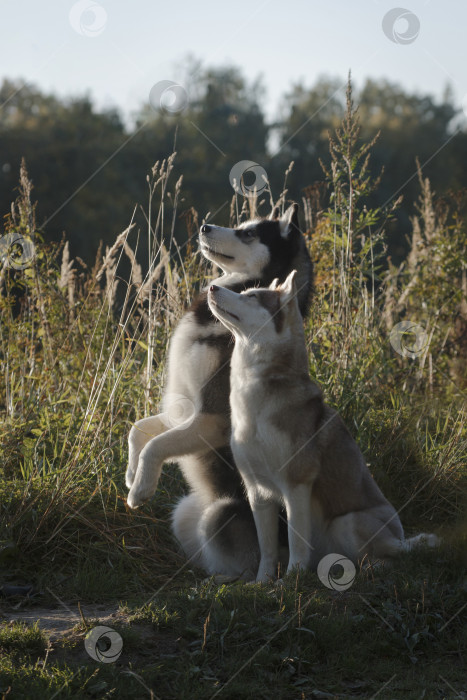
258,446
244,409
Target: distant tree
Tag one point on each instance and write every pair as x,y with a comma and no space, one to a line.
222,124
65,143
307,116
410,126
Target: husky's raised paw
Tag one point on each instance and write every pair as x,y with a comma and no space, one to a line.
130,477
137,497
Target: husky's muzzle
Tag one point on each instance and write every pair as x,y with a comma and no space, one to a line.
210,243
212,300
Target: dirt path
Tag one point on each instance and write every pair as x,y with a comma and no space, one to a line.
59,622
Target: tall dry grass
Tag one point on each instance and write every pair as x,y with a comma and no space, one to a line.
82,353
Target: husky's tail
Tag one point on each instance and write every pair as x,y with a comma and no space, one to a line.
220,537
421,540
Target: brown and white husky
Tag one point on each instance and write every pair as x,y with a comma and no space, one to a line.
291,448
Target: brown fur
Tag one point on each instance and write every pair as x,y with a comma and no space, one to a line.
321,472
272,303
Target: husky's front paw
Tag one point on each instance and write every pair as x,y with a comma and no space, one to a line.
296,568
138,496
143,487
130,476
255,581
266,573
146,478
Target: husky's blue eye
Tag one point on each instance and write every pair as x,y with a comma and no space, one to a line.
246,235
251,296
249,233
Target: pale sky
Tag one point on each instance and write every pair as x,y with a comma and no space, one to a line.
116,50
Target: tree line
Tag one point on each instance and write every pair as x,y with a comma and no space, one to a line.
89,168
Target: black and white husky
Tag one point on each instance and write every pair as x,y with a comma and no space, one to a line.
213,523
291,448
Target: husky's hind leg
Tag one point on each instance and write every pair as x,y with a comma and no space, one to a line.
384,536
376,532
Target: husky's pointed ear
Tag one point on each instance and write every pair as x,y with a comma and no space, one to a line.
274,215
289,220
274,284
289,287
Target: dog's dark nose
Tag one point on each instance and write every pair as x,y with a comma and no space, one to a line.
213,288
205,228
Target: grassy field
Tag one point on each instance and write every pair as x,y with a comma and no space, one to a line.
82,357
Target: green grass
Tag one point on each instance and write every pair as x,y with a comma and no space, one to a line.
401,625
80,361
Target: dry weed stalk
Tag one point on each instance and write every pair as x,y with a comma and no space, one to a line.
67,278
